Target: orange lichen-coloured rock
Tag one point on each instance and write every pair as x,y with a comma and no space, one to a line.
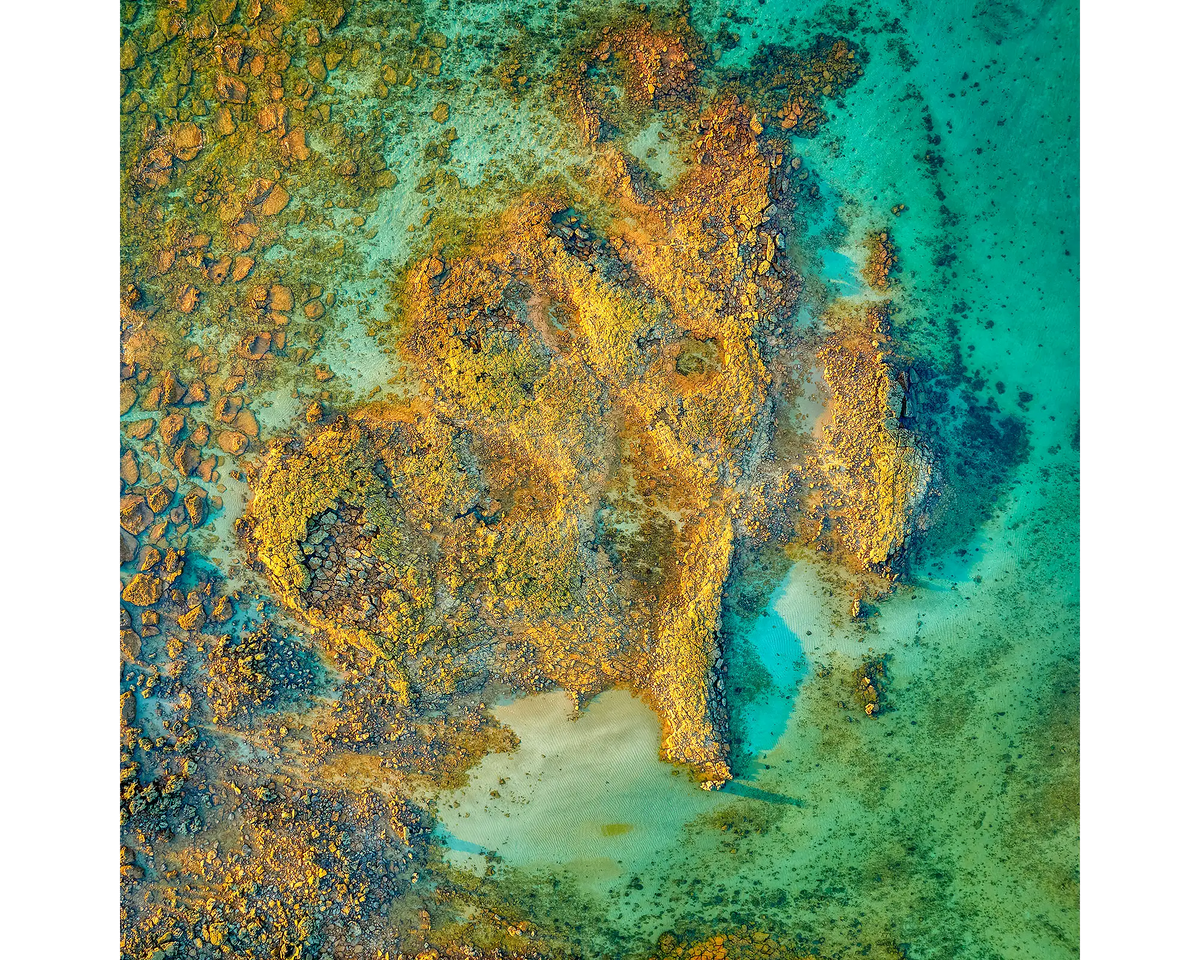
231,89
193,619
170,427
254,346
232,442
555,348
186,141
142,590
881,260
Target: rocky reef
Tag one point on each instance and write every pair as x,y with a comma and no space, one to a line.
593,408
324,587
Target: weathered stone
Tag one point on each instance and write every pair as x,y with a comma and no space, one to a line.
131,645
128,396
135,515
296,146
186,141
160,497
141,429
275,201
245,422
272,117
254,346
227,408
280,298
222,610
232,442
193,619
170,427
142,590
129,468
223,121
241,268
186,459
193,503
231,89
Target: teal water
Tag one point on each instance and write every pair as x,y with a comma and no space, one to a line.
948,827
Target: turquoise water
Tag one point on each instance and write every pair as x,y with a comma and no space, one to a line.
949,825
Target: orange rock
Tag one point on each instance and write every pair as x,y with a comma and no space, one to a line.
227,408
128,396
140,429
232,442
231,89
220,270
245,422
295,145
189,296
129,468
254,346
193,619
241,236
272,117
142,590
276,200
193,503
222,610
186,141
223,121
135,515
241,268
280,298
186,459
170,428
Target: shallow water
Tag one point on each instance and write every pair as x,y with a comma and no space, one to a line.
949,825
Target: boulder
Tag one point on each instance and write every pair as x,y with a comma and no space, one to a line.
241,268
170,427
193,619
280,298
232,442
135,515
231,89
245,422
143,590
129,468
186,141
